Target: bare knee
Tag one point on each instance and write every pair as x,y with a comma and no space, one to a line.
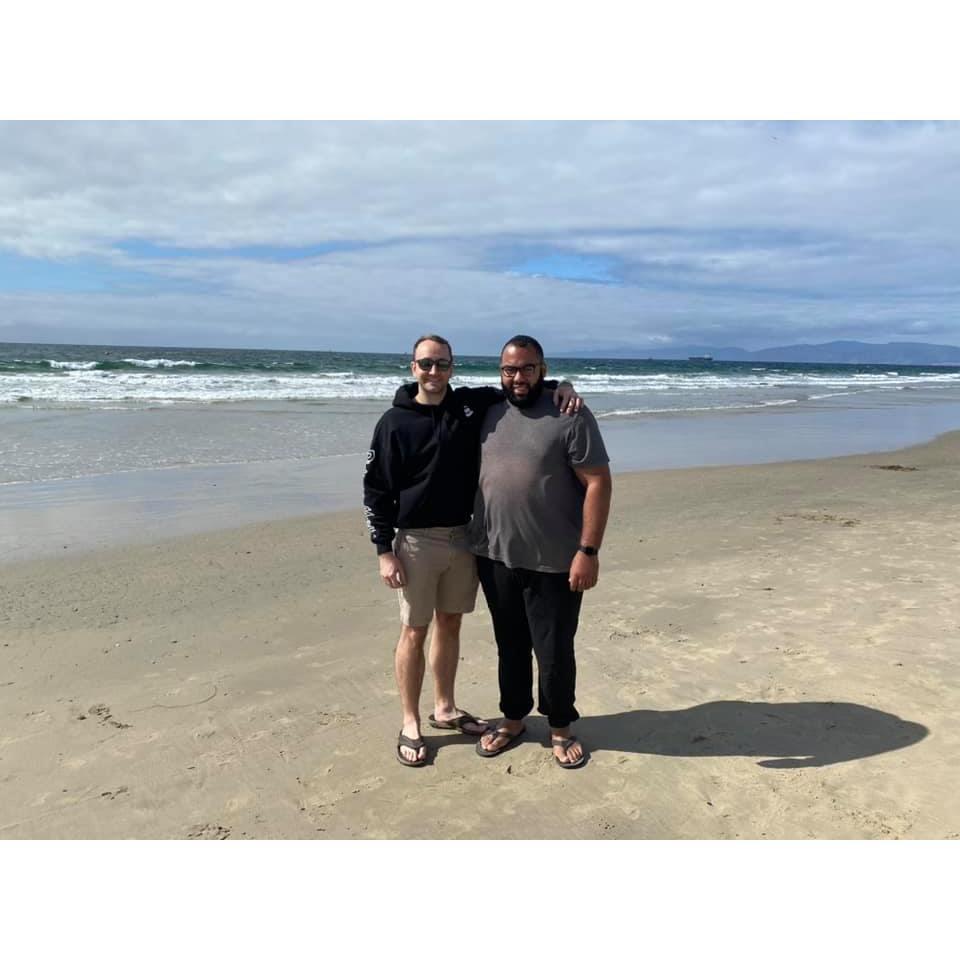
413,636
448,622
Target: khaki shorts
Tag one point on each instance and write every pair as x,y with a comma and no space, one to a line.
441,573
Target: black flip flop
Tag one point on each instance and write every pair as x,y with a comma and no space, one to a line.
565,744
512,741
405,741
457,724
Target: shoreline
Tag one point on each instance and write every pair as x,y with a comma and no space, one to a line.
771,652
46,516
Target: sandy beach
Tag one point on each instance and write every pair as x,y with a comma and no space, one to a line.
771,653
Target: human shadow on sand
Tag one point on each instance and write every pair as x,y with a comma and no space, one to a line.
789,735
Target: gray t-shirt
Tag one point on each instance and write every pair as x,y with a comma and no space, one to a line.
528,511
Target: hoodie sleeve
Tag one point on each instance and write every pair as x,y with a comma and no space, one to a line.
379,493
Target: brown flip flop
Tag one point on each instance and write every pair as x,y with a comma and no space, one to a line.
457,723
512,741
418,744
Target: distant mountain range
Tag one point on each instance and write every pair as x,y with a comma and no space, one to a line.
837,351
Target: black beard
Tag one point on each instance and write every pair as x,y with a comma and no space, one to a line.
531,398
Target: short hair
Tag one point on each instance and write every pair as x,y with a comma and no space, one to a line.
436,338
523,341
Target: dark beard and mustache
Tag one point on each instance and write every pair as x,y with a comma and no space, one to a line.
529,399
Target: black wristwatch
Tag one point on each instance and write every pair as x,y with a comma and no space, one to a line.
589,551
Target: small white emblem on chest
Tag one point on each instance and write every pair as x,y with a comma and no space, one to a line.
467,412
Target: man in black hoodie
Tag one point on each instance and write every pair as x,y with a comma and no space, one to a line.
419,484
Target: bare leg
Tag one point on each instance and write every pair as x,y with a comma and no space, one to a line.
444,660
409,663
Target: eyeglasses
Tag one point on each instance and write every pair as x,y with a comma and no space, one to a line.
528,370
426,364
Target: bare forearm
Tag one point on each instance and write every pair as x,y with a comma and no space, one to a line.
596,509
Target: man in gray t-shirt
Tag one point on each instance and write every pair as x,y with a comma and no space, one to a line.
538,522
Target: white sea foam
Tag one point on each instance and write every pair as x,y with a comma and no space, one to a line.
633,383
76,382
71,365
158,362
106,386
646,411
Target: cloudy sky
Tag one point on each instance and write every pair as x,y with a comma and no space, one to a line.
596,236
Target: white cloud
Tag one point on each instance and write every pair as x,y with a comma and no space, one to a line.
83,186
736,233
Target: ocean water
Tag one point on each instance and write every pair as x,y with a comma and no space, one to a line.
51,375
73,411
105,445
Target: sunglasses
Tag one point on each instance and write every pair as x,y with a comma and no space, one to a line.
426,364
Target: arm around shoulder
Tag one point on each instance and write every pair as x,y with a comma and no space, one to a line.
480,398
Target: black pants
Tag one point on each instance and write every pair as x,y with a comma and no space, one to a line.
536,612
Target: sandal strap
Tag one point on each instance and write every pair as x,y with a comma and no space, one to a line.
502,735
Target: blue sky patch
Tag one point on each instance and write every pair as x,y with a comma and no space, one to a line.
568,266
33,275
20,274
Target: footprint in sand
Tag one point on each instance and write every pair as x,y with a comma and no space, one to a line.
113,794
819,518
208,831
324,719
318,806
102,712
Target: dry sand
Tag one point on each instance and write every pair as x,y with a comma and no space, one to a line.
771,652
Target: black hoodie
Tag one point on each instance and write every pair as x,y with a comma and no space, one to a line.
424,461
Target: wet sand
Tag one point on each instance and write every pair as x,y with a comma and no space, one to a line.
771,653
